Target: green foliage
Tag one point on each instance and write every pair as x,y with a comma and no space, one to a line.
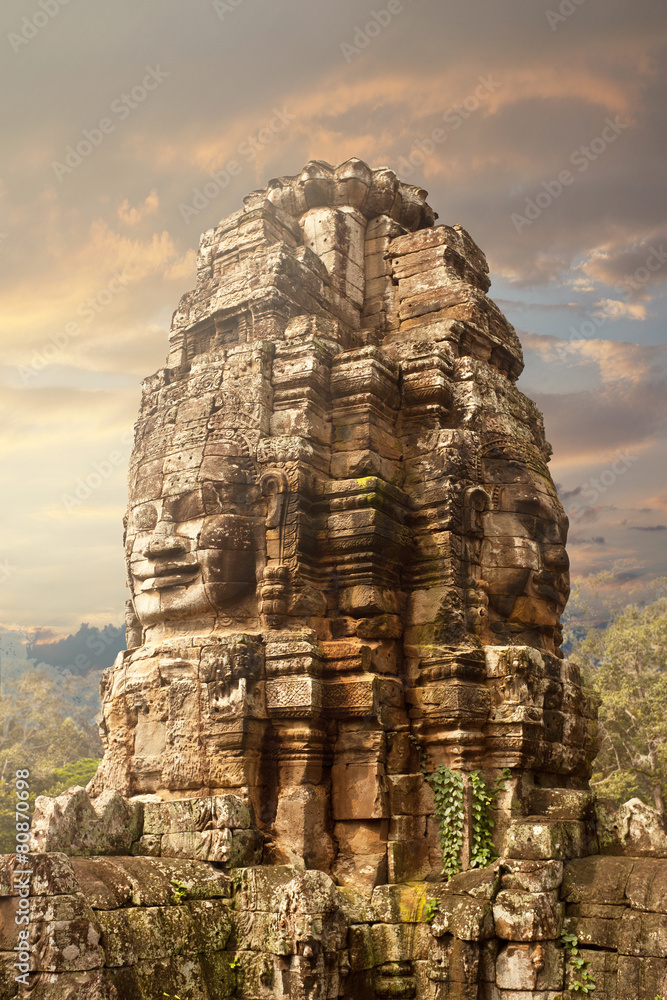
180,890
235,962
625,664
430,910
584,982
46,728
482,850
450,813
77,772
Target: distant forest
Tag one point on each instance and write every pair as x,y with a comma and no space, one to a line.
89,649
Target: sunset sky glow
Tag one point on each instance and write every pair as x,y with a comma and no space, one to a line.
540,126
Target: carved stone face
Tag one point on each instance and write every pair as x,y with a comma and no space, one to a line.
194,554
523,560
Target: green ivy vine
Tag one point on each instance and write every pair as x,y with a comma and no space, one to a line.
584,982
450,812
484,799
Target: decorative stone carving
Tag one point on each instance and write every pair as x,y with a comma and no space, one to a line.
344,548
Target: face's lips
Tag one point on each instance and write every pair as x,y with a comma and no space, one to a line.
166,573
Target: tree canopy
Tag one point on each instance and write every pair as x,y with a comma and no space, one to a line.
625,662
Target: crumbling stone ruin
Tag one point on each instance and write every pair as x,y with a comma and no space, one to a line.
347,565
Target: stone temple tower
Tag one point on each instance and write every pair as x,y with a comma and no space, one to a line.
346,560
345,551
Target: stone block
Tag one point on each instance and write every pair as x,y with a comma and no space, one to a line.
467,918
527,916
399,942
643,934
394,904
148,846
66,945
361,871
646,888
146,933
530,966
74,823
534,838
598,932
104,885
410,795
531,876
360,947
205,845
596,880
406,828
246,849
302,826
359,791
361,836
408,860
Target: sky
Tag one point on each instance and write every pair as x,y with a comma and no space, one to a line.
538,125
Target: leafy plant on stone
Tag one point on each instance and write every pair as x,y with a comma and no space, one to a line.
584,982
450,813
430,910
180,890
482,848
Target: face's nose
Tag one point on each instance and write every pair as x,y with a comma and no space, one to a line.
165,544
